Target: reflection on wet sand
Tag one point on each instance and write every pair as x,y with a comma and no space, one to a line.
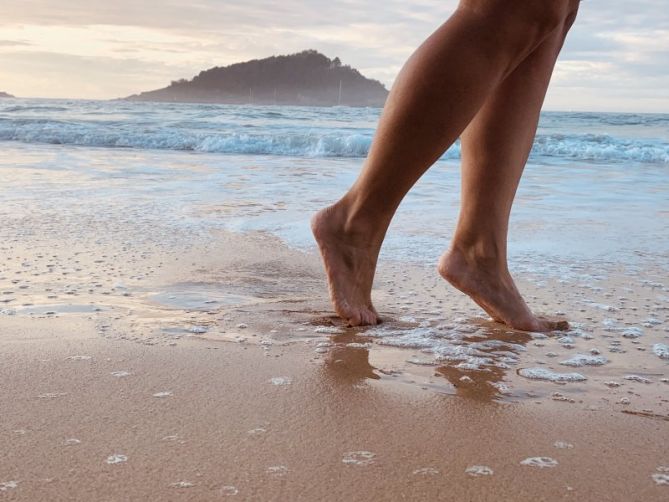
485,383
348,362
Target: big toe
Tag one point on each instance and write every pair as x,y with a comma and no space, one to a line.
560,325
543,324
363,317
354,318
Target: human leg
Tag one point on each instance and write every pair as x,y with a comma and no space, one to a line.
438,92
495,147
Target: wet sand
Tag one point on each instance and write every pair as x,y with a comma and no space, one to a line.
205,367
86,418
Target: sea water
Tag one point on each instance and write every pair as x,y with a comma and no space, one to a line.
596,185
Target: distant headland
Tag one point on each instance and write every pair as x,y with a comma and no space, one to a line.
5,95
306,78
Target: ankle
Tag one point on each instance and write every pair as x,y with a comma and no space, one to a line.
358,223
484,254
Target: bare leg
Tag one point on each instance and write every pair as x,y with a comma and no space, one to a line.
438,92
495,147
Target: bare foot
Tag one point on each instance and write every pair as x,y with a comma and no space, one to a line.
494,291
350,263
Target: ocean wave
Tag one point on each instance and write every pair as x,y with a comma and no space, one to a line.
601,147
300,141
26,108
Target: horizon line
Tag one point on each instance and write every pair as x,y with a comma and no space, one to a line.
550,110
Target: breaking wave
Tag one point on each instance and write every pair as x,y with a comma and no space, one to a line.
298,132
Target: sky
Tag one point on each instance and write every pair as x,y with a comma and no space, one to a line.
616,57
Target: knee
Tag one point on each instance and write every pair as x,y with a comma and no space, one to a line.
525,22
544,18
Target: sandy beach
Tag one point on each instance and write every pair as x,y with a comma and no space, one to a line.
165,331
268,397
234,422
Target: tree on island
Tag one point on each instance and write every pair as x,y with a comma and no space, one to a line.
305,78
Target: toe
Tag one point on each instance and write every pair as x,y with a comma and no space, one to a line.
355,319
559,325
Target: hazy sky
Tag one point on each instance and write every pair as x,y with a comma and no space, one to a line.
616,58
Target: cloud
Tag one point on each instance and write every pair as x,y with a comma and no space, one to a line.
95,76
14,43
616,56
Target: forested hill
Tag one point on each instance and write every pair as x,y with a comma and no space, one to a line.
306,78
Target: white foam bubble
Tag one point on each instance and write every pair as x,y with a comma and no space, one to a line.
632,332
637,378
277,470
329,330
165,393
563,445
72,442
556,396
551,376
120,374
52,395
79,358
540,462
579,360
479,470
116,458
8,485
182,484
661,350
501,387
661,479
358,458
356,345
281,380
228,490
426,471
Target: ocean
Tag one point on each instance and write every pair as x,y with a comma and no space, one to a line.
596,186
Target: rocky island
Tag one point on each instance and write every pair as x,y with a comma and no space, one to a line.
5,95
306,78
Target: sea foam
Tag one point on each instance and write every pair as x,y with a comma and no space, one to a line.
551,376
293,131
